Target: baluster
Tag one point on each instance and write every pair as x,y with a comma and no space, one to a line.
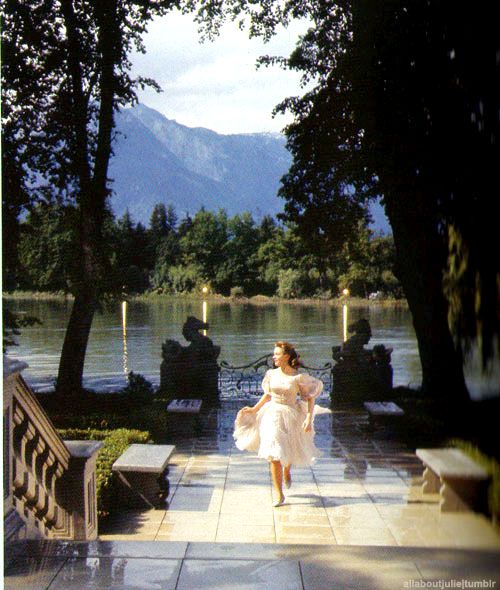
19,477
21,425
35,470
24,484
41,463
53,471
34,494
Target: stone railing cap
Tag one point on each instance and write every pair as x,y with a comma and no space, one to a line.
83,448
11,366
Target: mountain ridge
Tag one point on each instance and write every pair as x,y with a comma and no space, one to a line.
158,160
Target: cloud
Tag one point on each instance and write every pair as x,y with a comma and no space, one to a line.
215,84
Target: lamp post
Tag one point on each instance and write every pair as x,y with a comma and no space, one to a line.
345,312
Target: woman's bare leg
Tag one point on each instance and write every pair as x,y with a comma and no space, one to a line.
287,475
277,477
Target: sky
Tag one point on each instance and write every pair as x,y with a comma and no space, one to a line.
216,84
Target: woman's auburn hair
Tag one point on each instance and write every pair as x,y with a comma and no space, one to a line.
289,349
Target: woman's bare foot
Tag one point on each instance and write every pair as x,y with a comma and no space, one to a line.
280,502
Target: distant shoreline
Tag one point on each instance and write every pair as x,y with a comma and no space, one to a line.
214,298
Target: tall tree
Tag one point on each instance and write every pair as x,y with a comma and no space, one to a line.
404,104
203,244
64,75
47,248
240,252
163,221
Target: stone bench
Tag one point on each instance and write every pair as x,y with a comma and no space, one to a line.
142,470
185,406
380,411
460,481
383,409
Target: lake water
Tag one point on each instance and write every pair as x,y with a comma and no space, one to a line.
243,331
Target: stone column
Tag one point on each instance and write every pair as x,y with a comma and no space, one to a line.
79,484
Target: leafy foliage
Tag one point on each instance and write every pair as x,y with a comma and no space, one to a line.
403,105
65,72
11,325
138,388
268,258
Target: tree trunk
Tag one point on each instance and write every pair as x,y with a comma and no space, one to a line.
93,189
420,262
398,152
71,364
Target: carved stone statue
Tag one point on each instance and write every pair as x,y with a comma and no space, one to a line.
360,373
190,371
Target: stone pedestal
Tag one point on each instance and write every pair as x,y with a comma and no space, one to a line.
191,371
360,373
79,484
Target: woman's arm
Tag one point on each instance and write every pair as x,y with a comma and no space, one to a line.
253,409
307,425
309,388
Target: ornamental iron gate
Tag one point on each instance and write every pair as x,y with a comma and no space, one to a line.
242,382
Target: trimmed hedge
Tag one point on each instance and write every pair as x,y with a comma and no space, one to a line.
115,443
152,418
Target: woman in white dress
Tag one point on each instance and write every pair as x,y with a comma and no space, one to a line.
280,425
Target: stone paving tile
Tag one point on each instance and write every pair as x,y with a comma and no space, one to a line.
367,535
32,573
118,573
253,565
239,575
348,575
363,490
245,533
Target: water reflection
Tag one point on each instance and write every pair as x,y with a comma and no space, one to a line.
244,332
205,315
345,314
124,333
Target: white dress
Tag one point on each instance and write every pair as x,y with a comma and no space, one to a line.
275,431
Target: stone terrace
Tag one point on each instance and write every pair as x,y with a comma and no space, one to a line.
365,490
356,520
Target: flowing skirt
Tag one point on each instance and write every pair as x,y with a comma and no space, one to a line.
275,433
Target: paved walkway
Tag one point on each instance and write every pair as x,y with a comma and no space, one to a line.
356,520
152,565
365,490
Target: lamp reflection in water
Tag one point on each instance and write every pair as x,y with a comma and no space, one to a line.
345,313
204,308
124,334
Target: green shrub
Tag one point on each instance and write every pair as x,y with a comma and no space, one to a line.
139,389
492,467
126,411
291,283
184,278
237,292
115,443
94,421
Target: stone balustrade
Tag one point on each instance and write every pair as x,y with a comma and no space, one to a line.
49,484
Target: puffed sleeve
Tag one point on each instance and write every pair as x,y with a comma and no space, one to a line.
266,383
309,387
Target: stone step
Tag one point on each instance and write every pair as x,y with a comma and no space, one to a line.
187,566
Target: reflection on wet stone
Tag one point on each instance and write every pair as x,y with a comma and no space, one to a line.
218,491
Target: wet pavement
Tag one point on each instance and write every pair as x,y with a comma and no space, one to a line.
364,490
356,519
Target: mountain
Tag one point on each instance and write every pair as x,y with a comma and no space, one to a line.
158,160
